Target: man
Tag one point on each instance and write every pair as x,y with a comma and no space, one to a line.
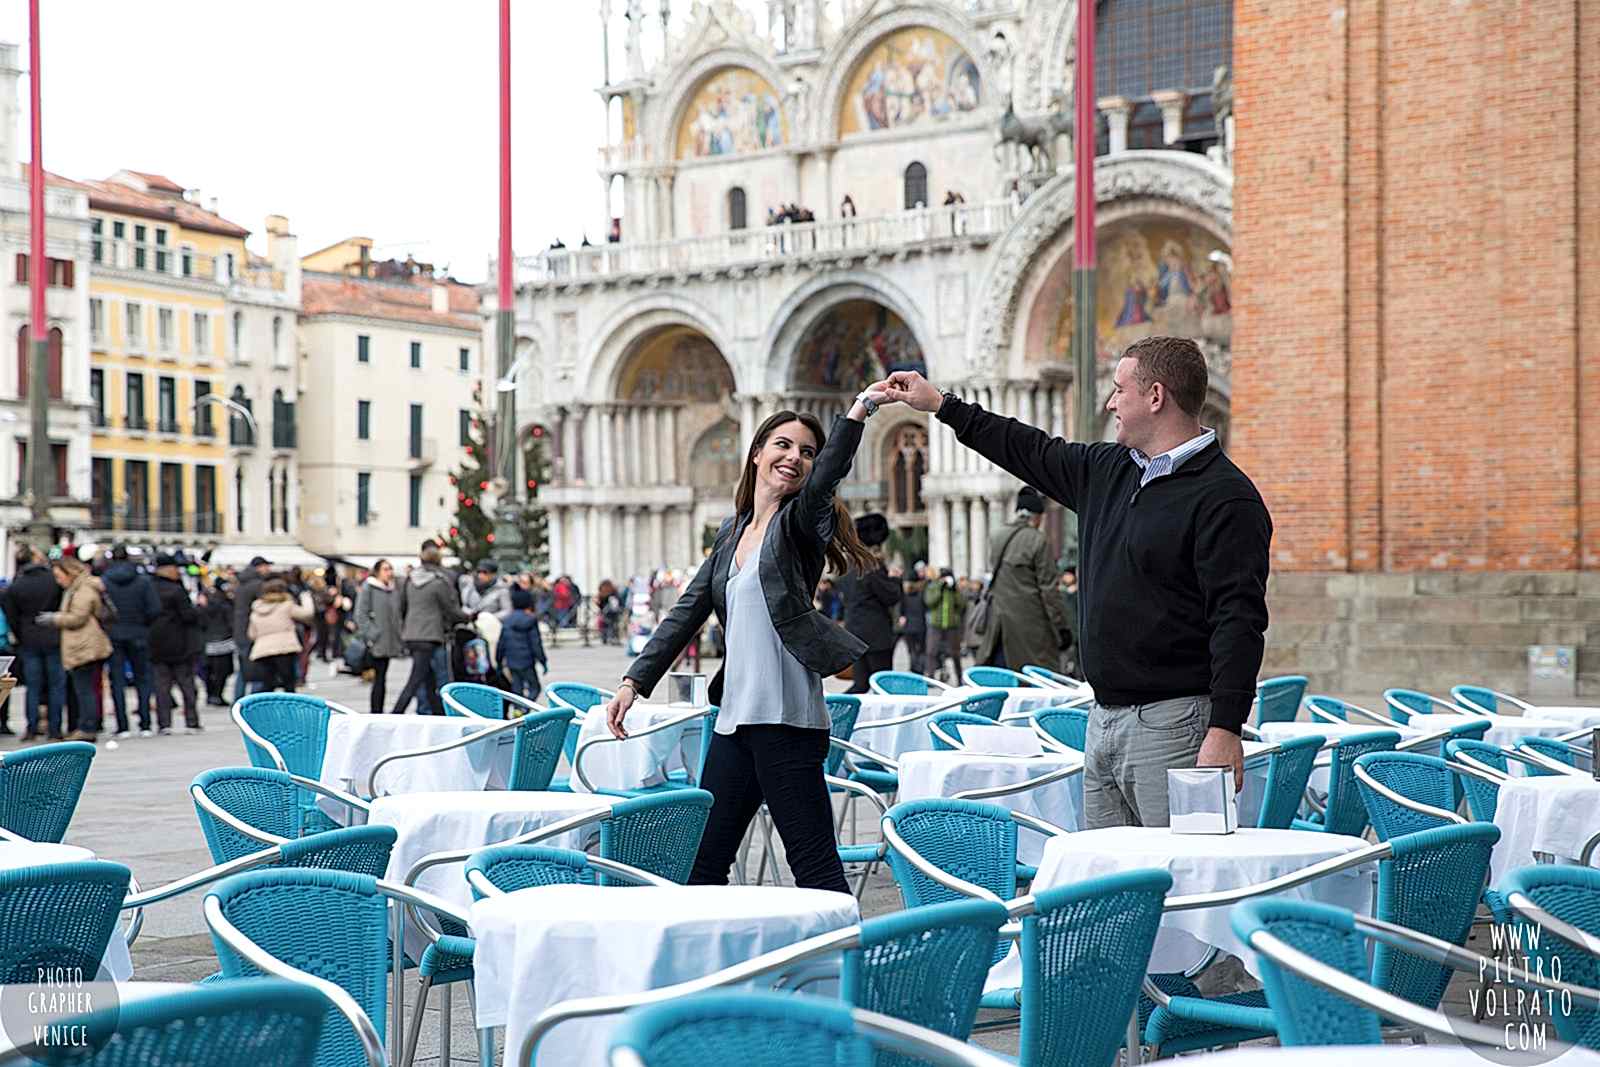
428,609
1173,559
174,641
134,596
913,621
1025,622
244,595
1068,589
486,592
871,601
32,592
947,608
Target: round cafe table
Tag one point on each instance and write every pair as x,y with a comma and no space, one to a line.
357,742
1199,863
538,947
1575,718
892,741
944,774
1555,814
13,854
638,762
1504,730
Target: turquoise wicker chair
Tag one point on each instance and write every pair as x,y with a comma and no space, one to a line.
950,723
1033,670
1288,771
330,924
1550,748
1278,699
580,698
1306,1014
1345,813
774,1030
514,867
1404,703
1331,706
1471,730
268,801
989,703
296,725
267,1022
974,841
1483,797
1070,726
659,834
1482,698
40,787
1571,894
484,701
541,736
904,683
58,915
1424,779
997,678
842,711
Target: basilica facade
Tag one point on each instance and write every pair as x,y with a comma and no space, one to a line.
804,196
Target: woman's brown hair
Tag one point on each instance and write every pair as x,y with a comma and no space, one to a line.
845,551
72,568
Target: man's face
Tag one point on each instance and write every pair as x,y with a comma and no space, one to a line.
263,569
1131,404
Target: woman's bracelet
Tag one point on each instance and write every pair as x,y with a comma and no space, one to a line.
628,683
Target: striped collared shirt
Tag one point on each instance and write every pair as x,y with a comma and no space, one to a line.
1170,460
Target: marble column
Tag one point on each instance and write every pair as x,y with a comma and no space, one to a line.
579,566
602,436
1119,110
635,448
978,532
938,535
669,445
658,539
554,528
606,557
748,420
960,548
589,466
619,464
652,446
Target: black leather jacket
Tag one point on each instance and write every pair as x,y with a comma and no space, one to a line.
791,565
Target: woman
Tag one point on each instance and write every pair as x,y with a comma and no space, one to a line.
84,644
378,622
216,615
871,600
275,646
772,732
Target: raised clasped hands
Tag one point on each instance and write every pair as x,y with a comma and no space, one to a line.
909,388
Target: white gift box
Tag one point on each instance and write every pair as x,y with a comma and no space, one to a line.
687,689
1201,800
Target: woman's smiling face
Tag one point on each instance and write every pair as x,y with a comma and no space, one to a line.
784,461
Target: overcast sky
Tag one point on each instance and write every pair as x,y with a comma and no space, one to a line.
371,117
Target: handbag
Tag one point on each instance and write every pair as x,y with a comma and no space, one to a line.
979,623
356,659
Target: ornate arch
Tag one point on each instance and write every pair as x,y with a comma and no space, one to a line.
676,93
1183,179
859,37
1050,46
603,363
811,301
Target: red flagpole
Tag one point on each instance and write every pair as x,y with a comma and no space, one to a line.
1083,248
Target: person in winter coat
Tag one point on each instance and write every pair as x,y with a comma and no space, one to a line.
947,608
377,618
244,596
216,622
913,622
520,647
428,610
871,602
84,643
486,592
32,592
274,642
1026,623
134,596
174,641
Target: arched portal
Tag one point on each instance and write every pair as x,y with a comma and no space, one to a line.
851,345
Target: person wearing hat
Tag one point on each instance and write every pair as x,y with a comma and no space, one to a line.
133,594
1025,621
175,640
871,600
244,596
485,592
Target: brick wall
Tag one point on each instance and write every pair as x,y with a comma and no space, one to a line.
1417,243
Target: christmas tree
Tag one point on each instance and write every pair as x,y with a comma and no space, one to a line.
471,537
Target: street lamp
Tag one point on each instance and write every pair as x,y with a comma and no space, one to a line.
508,383
233,406
1217,255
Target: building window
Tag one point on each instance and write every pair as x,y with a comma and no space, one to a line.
907,461
118,229
96,245
25,361
202,333
465,423
283,428
416,431
97,321
414,514
916,186
164,329
737,218
277,342
416,355
58,461
171,501
363,348
186,261
363,498
61,273
167,404
363,420
133,320
139,260
136,489
101,501
134,419
202,410
466,359
238,336
161,250
206,519
97,397
227,263
239,429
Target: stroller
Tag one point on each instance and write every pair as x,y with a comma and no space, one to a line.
469,658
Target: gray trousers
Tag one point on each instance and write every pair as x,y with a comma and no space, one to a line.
1128,751
181,675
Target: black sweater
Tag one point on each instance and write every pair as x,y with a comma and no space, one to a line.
1172,577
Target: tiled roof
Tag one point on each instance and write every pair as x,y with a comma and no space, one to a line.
338,294
158,181
114,196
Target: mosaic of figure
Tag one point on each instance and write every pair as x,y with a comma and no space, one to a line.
735,111
856,343
677,364
913,76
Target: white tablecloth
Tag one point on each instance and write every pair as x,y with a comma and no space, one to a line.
1199,863
914,736
1550,813
538,947
1504,730
356,742
13,854
426,823
943,774
1406,1055
1586,718
638,762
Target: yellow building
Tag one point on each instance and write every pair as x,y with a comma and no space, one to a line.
161,270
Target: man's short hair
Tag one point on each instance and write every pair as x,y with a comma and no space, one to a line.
429,553
25,554
1177,364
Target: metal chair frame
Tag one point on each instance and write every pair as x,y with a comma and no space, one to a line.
233,822
1394,704
1023,681
935,686
452,704
1472,705
500,727
607,739
267,746
1050,679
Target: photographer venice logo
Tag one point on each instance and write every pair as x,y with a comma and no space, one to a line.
61,1014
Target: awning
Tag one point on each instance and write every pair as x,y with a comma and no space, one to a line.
239,556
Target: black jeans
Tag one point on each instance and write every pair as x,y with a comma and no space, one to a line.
217,670
136,651
82,679
869,663
783,766
424,682
182,676
380,674
276,672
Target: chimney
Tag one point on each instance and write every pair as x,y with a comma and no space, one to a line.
441,297
283,251
366,260
211,205
10,113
